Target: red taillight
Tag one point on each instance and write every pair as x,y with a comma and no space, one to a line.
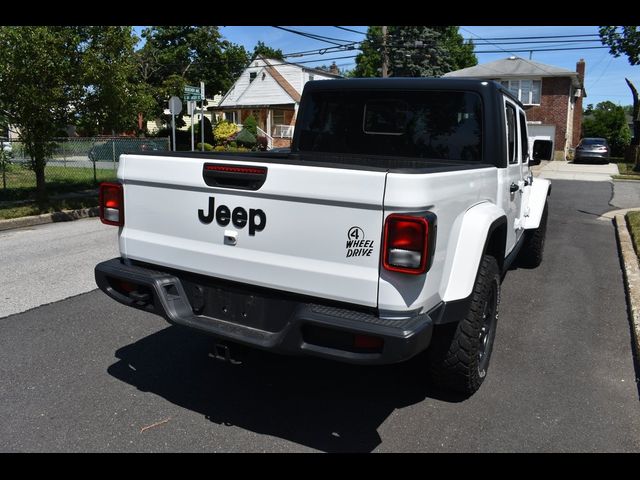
112,204
406,243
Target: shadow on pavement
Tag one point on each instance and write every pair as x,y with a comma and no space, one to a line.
321,404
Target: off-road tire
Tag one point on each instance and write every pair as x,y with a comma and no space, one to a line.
530,255
459,353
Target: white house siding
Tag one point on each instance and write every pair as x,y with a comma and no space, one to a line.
264,90
268,91
297,76
241,84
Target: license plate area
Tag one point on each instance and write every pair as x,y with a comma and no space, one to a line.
238,305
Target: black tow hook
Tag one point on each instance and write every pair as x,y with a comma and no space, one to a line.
222,352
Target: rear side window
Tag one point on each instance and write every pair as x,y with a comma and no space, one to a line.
443,125
512,139
524,139
594,141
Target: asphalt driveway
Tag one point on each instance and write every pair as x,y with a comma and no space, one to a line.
87,374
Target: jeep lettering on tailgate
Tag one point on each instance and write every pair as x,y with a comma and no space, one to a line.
256,218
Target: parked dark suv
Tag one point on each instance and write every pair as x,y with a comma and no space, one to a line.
592,150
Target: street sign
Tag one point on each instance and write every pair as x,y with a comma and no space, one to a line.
192,93
175,105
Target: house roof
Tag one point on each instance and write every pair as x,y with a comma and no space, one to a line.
515,67
286,86
245,93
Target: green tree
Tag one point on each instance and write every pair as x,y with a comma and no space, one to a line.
114,96
414,51
608,121
369,62
625,41
417,51
460,52
174,56
267,52
40,86
250,124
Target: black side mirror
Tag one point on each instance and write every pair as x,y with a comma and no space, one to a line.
542,150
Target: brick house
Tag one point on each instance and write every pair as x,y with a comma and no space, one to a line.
552,97
270,90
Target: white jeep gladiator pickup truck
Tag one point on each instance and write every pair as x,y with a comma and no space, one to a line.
385,232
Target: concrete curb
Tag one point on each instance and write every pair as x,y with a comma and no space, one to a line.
63,216
631,272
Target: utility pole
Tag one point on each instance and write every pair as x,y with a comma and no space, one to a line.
385,57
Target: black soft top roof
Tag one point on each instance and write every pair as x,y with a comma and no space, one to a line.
486,88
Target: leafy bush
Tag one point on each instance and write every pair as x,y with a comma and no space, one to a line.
251,125
222,148
207,147
246,139
262,143
223,130
208,132
183,137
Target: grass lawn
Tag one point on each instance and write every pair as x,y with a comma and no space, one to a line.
21,182
633,221
626,172
52,206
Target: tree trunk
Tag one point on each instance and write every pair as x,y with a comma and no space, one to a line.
41,186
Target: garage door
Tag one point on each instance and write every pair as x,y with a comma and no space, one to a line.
541,132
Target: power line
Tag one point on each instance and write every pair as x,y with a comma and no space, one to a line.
511,53
542,41
502,50
322,51
349,30
531,38
321,38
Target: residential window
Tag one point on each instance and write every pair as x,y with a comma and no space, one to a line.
527,91
252,76
230,117
278,117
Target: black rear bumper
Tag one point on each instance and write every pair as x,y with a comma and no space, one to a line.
285,325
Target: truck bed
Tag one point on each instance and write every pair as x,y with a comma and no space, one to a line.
352,162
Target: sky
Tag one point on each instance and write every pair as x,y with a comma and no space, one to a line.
604,78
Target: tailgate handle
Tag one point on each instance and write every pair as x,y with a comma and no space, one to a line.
234,176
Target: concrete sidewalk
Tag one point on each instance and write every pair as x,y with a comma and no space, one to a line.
563,170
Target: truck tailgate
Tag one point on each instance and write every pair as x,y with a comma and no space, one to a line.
308,229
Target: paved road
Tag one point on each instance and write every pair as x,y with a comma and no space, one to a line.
563,170
51,262
87,374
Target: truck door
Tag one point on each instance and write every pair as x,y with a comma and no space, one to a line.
514,180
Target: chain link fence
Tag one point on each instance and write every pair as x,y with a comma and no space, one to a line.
75,164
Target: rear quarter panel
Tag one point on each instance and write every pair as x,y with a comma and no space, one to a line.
449,195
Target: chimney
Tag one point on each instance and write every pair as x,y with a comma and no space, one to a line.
580,70
334,69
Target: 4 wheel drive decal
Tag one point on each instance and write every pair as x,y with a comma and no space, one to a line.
357,245
256,218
